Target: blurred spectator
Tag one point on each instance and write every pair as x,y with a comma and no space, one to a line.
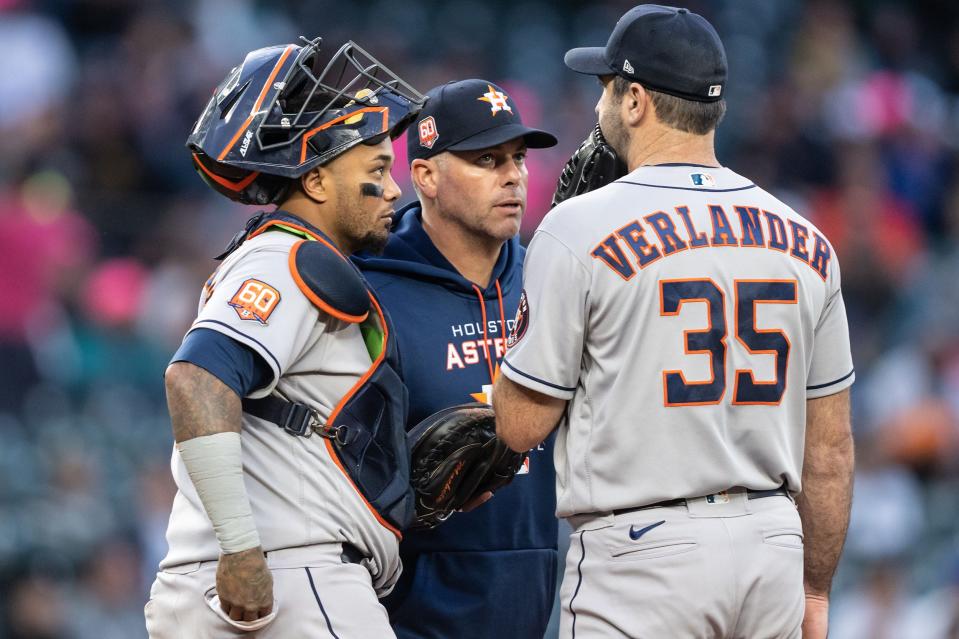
36,609
109,602
874,610
44,247
849,108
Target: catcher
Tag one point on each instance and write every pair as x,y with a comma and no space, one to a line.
290,459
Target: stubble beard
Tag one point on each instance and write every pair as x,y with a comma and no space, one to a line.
359,235
615,133
372,243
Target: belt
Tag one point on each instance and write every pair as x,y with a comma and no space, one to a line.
750,494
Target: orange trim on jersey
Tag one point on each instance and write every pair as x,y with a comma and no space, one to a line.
715,210
749,371
379,518
769,215
302,229
706,351
691,230
256,106
309,134
660,233
298,227
313,297
742,227
641,233
336,411
603,248
820,240
793,228
222,181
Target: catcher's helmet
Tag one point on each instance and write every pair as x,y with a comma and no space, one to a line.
281,113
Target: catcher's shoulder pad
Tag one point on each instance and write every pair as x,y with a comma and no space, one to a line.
329,280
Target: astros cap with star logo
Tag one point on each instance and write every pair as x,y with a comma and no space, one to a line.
467,115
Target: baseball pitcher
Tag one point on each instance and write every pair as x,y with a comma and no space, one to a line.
685,331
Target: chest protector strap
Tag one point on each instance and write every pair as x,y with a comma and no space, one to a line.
365,434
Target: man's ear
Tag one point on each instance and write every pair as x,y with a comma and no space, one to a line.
635,104
316,184
423,173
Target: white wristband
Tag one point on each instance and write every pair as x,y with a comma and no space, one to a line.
216,468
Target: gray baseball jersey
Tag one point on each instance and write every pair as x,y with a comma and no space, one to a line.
687,315
298,494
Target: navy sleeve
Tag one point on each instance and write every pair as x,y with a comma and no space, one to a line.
235,364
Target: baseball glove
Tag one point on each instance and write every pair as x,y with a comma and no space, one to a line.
594,164
455,457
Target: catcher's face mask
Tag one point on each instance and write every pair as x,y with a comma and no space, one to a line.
284,111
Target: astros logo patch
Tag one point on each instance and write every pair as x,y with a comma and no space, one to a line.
496,99
428,132
255,300
521,323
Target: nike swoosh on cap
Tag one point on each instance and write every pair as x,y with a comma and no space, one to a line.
636,534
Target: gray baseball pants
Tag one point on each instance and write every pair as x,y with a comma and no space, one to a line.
719,567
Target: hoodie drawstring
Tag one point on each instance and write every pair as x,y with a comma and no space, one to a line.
499,295
503,330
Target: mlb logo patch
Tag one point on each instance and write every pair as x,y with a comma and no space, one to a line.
721,497
524,469
428,132
702,179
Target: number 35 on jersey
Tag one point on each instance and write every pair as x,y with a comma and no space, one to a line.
712,340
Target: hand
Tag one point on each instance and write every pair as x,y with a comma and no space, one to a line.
245,585
815,623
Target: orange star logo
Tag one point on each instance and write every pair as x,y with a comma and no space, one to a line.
496,99
485,396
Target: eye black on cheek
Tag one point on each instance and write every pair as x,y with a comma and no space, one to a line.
369,189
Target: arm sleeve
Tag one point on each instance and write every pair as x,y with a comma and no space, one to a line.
831,368
257,303
235,364
546,347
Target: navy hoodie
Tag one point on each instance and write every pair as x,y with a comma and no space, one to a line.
439,319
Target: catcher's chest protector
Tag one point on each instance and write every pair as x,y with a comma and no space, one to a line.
366,431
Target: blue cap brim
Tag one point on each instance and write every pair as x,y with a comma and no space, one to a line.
535,139
588,60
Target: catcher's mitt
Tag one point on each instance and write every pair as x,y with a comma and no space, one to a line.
594,164
455,457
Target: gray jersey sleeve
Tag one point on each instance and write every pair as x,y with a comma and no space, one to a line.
546,347
831,368
256,302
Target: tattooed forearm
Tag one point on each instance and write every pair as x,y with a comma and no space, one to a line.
199,403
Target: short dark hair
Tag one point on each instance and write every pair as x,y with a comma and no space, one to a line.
690,116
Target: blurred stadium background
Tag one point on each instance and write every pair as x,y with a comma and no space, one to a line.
847,110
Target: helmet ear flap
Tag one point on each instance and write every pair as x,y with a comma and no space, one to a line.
241,185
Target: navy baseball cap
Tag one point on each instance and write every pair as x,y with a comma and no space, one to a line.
668,49
467,115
